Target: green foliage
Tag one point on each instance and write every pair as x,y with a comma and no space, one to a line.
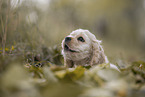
40,74
75,74
56,81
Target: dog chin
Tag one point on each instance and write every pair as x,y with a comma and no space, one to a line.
75,56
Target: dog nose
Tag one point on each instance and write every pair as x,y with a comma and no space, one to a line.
67,39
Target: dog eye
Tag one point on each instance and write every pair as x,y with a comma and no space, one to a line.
81,39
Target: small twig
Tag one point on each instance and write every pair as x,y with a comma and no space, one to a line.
4,28
3,46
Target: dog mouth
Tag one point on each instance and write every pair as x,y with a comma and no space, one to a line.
67,48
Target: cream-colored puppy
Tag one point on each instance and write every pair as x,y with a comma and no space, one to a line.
82,48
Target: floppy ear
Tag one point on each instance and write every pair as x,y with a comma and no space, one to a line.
98,56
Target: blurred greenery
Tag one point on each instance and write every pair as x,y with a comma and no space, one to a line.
31,64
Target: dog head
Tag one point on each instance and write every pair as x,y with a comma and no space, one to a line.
81,44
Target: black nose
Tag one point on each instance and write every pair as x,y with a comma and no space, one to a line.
67,39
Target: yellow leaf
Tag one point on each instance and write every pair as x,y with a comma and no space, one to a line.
76,74
6,49
12,48
60,74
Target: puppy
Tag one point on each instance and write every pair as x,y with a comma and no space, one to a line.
82,48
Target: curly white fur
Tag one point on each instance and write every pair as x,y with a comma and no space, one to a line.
90,52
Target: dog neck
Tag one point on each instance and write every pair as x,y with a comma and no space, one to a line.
83,62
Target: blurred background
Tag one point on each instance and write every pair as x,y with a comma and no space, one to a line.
31,32
120,24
